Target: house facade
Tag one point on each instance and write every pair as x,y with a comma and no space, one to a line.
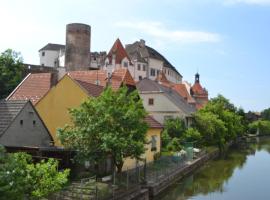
162,102
21,125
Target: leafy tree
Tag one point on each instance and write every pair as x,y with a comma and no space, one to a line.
266,114
174,127
20,178
263,126
191,135
111,124
212,129
174,145
11,67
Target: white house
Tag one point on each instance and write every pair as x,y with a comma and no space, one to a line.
164,102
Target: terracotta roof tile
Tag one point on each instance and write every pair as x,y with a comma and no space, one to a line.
182,90
32,88
118,77
161,78
92,89
119,51
152,123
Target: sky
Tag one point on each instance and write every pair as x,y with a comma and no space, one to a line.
226,41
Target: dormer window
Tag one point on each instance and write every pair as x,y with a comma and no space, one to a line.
125,64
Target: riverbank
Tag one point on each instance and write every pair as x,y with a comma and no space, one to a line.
242,174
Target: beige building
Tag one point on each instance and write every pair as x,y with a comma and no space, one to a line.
163,102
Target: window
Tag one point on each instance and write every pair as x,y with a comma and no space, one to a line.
140,77
144,67
151,101
21,122
139,67
43,53
125,64
153,143
34,122
153,72
42,64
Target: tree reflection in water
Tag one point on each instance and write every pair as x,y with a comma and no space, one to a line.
213,176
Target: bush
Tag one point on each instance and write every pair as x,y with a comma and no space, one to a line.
174,145
262,125
20,178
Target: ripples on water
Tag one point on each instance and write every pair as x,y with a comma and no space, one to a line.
244,174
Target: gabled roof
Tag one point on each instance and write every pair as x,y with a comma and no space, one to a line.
146,51
33,87
182,90
99,77
152,123
8,112
149,86
92,89
53,47
119,51
161,78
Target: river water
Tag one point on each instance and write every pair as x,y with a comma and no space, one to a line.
244,174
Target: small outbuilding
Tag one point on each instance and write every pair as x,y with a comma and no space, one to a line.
21,126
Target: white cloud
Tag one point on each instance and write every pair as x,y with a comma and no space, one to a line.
160,32
251,2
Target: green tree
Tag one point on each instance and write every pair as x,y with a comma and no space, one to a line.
174,127
11,68
211,128
111,124
266,114
263,126
20,178
191,135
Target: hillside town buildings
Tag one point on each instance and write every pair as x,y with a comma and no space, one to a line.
69,74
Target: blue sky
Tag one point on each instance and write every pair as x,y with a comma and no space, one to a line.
227,41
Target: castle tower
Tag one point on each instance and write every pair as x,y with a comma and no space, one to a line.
77,54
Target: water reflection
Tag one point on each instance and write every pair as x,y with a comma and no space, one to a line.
220,178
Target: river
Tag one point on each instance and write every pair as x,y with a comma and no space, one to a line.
244,174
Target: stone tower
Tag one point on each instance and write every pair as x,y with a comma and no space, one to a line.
77,54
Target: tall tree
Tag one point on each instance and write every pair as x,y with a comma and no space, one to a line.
266,114
11,67
111,124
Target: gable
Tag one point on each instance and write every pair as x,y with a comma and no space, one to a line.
27,129
54,107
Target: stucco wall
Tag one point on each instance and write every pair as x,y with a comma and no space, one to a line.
154,64
49,58
28,132
149,155
53,108
162,106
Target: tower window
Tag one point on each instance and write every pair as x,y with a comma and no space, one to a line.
34,122
153,72
21,122
144,68
139,67
43,53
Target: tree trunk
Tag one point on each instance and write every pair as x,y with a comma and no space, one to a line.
119,166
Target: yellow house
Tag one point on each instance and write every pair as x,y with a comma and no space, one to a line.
54,101
153,137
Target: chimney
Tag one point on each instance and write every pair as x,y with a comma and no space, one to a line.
142,43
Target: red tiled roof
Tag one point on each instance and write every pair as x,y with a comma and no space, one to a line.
92,89
197,89
32,88
118,77
119,51
161,78
182,90
152,123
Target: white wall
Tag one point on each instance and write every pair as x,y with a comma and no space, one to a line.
156,65
162,106
49,58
